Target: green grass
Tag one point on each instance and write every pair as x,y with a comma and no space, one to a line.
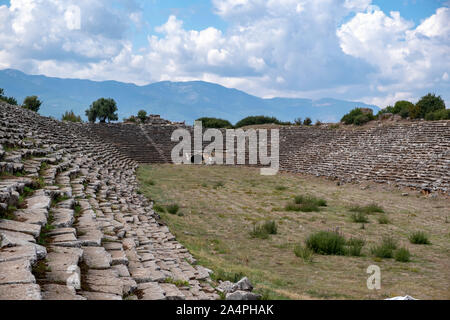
304,253
173,208
221,275
158,208
402,255
359,217
281,188
386,248
262,231
326,243
306,204
178,283
419,237
368,209
354,247
383,219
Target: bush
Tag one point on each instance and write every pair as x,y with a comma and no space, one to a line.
304,253
142,114
359,217
215,123
358,117
419,237
327,243
254,120
9,100
159,208
298,121
262,231
102,109
71,117
173,208
438,115
307,122
32,103
429,103
402,255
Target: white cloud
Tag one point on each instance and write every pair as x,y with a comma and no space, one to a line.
271,47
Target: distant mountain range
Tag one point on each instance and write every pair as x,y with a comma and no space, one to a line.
176,101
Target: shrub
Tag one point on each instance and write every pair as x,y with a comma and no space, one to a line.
327,243
304,253
173,208
419,237
357,116
102,109
385,249
9,100
32,103
298,121
429,103
307,122
359,217
402,255
280,188
142,114
71,117
254,120
270,227
159,208
438,115
215,123
383,219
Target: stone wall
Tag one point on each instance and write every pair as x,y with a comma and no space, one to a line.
73,225
415,154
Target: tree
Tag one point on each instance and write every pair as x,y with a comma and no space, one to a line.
102,109
358,116
429,103
71,117
142,114
254,120
9,100
32,103
298,121
215,123
307,122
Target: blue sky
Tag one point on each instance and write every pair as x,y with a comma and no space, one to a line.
376,51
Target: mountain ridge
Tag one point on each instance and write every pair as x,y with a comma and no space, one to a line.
176,101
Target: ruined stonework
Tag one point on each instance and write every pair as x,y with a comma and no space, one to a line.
414,154
72,224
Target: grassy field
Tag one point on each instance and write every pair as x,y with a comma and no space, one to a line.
219,206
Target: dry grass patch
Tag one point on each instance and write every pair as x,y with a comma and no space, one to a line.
218,220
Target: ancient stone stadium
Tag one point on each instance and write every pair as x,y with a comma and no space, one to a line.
75,226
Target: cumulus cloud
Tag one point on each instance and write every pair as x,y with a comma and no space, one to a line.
271,48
